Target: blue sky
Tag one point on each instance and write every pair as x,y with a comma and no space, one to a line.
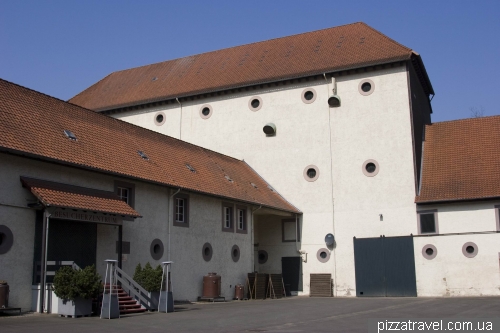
62,47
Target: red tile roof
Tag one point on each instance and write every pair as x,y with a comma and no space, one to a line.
53,194
334,49
461,160
33,124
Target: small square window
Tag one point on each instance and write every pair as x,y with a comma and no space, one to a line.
227,217
427,222
126,192
181,210
290,230
241,219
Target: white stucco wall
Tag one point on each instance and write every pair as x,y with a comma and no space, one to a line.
451,273
153,203
336,140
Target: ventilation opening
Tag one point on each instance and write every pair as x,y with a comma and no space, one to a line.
370,167
366,87
309,95
270,129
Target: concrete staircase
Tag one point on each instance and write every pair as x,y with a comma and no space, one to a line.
127,303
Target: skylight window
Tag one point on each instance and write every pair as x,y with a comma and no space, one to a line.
190,168
70,135
255,186
228,178
143,155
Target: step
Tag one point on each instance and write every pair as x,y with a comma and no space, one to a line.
140,310
129,306
127,302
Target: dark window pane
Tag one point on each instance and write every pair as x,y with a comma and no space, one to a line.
308,95
255,103
366,87
159,118
311,173
370,167
429,251
205,111
427,223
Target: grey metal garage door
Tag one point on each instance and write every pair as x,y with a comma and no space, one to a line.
385,266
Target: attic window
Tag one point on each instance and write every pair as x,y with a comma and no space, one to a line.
255,186
143,155
190,168
228,178
70,135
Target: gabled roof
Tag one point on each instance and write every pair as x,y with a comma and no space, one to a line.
334,49
33,124
461,160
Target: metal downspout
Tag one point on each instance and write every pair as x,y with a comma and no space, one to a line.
180,121
168,220
43,262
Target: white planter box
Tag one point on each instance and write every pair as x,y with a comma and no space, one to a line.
77,308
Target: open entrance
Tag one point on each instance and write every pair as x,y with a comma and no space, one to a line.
68,242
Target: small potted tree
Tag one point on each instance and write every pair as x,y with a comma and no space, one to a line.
75,290
150,279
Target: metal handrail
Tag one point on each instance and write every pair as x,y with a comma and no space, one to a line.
132,287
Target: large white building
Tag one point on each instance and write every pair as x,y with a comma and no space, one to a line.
338,121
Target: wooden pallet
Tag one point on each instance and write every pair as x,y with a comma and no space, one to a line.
258,285
275,287
321,285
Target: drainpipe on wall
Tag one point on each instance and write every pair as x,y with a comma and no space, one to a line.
43,261
331,175
180,122
168,220
297,240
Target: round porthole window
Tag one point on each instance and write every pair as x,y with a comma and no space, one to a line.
311,173
6,239
255,103
207,252
366,87
308,95
370,168
323,255
262,256
156,249
205,111
429,251
469,249
235,253
160,118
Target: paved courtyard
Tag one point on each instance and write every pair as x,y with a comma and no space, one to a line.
296,314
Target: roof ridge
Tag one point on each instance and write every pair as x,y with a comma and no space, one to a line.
464,119
232,47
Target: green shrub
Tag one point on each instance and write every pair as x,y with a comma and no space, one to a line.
148,277
70,283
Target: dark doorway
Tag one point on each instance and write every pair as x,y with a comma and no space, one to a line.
291,270
68,241
385,266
